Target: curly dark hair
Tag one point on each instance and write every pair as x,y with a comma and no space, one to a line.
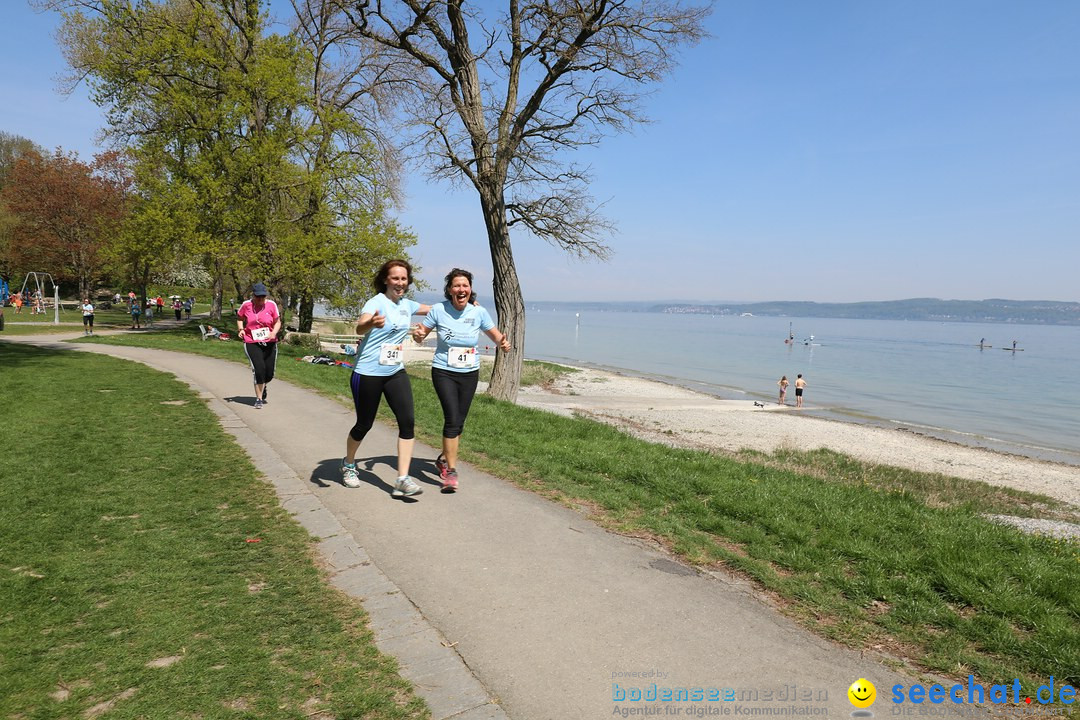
456,273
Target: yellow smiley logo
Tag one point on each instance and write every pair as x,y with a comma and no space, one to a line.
862,693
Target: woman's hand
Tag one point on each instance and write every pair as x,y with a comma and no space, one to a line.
367,321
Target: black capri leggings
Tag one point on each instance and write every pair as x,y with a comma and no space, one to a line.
367,392
455,391
263,358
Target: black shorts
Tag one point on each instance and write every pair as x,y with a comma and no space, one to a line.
798,392
88,320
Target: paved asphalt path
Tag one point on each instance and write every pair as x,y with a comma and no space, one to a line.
551,614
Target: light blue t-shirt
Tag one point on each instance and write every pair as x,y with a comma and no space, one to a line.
459,334
398,316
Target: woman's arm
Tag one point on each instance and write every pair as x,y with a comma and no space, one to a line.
367,321
499,339
420,333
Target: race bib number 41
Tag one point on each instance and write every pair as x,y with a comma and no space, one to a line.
260,334
461,357
391,354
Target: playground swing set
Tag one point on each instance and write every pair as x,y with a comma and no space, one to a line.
34,292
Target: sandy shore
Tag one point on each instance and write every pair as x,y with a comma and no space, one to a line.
676,416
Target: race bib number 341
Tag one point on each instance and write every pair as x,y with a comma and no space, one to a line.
390,353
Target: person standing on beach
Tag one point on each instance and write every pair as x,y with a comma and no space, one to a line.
783,383
455,366
258,323
380,370
800,385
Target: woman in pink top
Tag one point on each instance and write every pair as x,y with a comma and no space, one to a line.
258,323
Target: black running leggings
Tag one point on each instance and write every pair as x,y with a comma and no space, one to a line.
455,391
263,358
367,392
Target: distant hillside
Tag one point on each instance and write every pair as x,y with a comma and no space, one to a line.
1035,312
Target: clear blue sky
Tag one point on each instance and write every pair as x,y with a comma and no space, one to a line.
832,151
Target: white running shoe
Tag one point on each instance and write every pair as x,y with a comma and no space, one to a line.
349,476
406,487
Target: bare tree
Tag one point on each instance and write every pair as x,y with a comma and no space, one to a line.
506,99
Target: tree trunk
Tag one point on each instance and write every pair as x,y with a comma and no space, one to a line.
219,285
509,303
144,283
307,312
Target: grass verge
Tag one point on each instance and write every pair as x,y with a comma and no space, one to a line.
130,576
869,556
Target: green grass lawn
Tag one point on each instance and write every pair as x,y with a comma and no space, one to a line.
873,557
28,328
26,324
129,572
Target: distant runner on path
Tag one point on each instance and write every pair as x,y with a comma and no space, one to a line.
380,370
87,308
258,322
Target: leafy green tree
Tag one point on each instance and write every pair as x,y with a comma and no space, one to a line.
341,230
154,238
12,147
66,212
263,129
509,94
203,95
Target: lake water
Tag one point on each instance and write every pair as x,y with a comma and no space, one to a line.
928,377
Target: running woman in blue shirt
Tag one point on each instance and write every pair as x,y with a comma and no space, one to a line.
380,370
455,368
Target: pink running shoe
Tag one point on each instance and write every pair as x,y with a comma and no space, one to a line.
450,481
442,467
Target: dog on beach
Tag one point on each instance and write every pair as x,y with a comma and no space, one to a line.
757,404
